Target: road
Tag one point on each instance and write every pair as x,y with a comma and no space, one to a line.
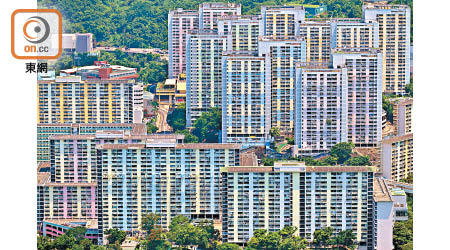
161,119
162,53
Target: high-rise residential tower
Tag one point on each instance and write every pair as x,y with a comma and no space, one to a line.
397,157
244,91
160,176
292,194
402,115
282,21
395,43
179,24
244,31
320,107
281,58
45,131
364,77
204,72
317,35
354,33
210,12
69,99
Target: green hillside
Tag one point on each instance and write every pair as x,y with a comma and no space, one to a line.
143,23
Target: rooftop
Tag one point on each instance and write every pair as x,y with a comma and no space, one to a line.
240,18
381,191
355,51
42,165
397,138
117,134
278,39
102,70
165,143
295,167
43,178
219,5
283,7
89,223
398,192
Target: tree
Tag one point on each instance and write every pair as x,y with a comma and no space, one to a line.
155,238
346,238
188,136
274,132
177,119
329,161
150,222
358,161
408,179
44,243
290,140
409,88
64,242
280,240
184,234
323,237
402,235
207,126
268,161
115,236
151,127
228,246
388,107
342,151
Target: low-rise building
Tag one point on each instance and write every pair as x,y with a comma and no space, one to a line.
101,70
55,228
78,42
171,92
389,206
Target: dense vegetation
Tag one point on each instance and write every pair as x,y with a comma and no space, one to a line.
340,154
143,24
205,129
74,239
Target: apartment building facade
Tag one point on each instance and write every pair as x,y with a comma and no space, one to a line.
45,131
180,22
402,115
321,107
397,157
204,72
244,31
317,35
282,21
292,194
65,201
395,43
244,91
74,159
364,77
160,176
354,33
72,100
210,12
281,57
